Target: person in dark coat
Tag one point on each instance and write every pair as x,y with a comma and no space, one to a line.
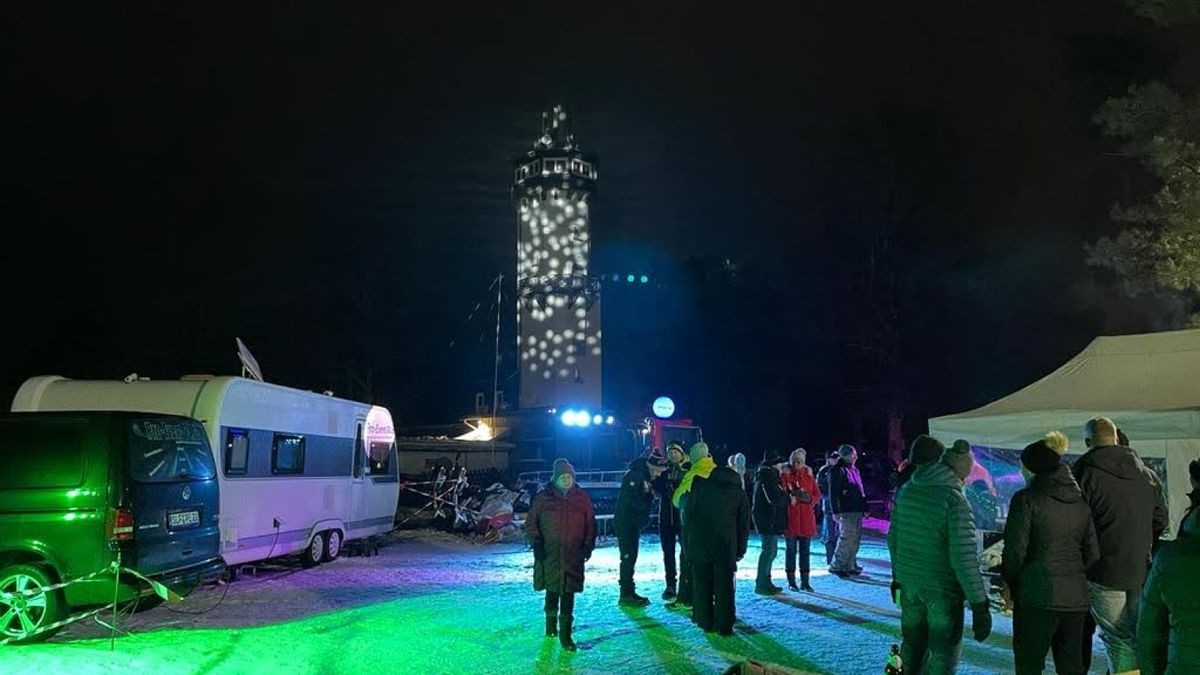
1049,543
718,517
668,513
1169,616
829,526
934,565
770,519
1194,495
561,528
801,487
1127,507
631,516
701,465
849,503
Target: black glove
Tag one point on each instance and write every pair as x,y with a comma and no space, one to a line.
539,550
981,620
895,593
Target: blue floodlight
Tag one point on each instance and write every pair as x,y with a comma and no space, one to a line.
630,278
568,418
583,419
609,420
645,279
597,419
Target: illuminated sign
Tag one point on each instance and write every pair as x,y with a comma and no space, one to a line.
663,407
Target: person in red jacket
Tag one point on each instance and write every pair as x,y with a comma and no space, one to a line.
561,528
803,495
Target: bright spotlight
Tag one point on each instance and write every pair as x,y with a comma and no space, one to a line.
610,420
583,419
568,418
597,419
629,278
645,279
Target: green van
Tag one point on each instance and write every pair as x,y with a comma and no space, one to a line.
77,489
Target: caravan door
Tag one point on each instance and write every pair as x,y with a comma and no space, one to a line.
358,488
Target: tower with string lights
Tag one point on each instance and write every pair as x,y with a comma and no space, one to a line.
558,301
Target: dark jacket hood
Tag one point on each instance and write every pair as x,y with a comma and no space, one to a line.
1059,485
726,476
935,475
639,465
1115,460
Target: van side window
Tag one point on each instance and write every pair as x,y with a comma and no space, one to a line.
41,455
287,454
237,452
381,459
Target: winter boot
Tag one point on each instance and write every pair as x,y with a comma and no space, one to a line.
564,632
551,625
804,585
792,581
669,593
632,599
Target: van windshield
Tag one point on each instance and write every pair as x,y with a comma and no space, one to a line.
163,450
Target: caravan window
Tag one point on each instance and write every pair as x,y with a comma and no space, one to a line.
358,451
287,454
237,452
380,459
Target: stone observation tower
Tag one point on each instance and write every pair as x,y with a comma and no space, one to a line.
558,303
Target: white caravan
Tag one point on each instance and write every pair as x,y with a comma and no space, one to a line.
298,471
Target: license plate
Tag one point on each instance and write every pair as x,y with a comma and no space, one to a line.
183,519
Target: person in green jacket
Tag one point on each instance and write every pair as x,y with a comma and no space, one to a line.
1168,635
702,465
935,566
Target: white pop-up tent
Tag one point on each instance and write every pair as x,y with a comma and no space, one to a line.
1148,384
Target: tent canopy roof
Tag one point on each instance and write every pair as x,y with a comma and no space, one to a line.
1143,381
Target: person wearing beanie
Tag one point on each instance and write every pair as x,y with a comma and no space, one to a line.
803,494
702,465
1130,515
829,526
1049,543
770,519
561,528
737,462
668,513
631,516
924,449
935,569
849,504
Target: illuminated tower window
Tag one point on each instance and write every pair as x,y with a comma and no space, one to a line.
558,303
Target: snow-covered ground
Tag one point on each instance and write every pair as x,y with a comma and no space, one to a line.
434,603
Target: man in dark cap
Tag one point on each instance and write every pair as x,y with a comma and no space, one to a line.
829,526
770,519
849,503
631,516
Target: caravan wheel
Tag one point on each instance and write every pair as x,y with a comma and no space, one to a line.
312,555
333,544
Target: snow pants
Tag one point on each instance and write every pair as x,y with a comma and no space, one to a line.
1037,631
628,540
796,551
712,597
830,534
931,623
766,560
667,536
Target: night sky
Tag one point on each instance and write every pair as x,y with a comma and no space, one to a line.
841,209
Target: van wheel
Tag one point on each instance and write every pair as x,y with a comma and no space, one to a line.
314,552
333,544
22,617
